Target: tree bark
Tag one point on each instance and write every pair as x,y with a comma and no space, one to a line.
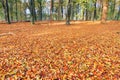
4,8
61,2
21,11
113,10
68,12
77,11
7,10
32,11
59,9
40,9
11,10
35,17
51,10
16,11
95,12
104,11
118,15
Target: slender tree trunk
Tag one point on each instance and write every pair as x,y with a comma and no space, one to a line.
104,11
68,12
83,14
118,15
90,17
59,9
51,10
86,14
61,2
95,13
20,11
25,14
35,17
77,10
7,10
112,9
40,10
11,11
32,11
86,11
16,11
73,11
99,10
4,8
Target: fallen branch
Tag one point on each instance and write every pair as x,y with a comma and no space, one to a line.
6,34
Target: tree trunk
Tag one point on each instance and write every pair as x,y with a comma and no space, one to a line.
32,11
99,10
16,11
104,11
40,9
59,9
118,15
61,2
68,12
4,8
114,9
95,13
51,10
77,11
86,14
7,10
20,11
35,17
86,11
73,10
25,14
11,11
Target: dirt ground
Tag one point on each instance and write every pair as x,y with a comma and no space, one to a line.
55,51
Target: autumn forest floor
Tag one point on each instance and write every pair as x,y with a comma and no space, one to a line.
80,51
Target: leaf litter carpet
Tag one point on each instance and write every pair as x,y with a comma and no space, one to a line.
84,51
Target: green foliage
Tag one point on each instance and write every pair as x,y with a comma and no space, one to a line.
84,5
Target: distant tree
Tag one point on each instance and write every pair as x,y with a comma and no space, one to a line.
112,4
11,7
4,8
99,9
118,14
59,9
32,11
40,10
86,10
73,9
104,11
21,17
68,12
95,10
24,9
51,9
16,10
7,11
61,2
